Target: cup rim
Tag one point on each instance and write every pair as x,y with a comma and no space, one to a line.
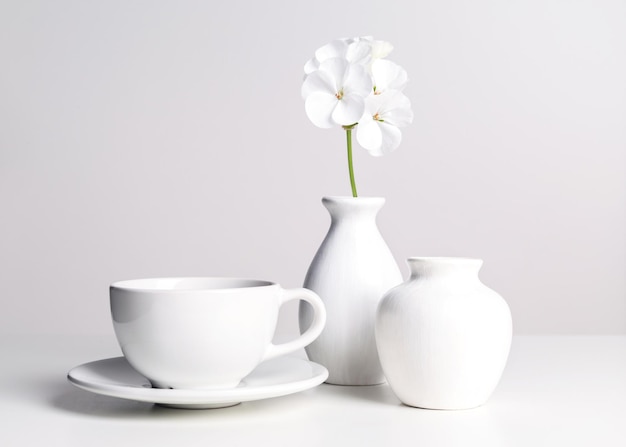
222,283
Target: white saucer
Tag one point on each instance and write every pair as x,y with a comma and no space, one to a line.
278,377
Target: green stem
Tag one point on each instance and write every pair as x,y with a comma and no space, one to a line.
350,167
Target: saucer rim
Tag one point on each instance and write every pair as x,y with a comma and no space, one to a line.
199,397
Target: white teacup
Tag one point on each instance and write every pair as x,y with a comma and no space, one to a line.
202,333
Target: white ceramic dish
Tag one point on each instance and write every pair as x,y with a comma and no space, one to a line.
278,377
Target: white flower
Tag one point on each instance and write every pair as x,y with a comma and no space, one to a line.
349,82
388,76
378,130
335,93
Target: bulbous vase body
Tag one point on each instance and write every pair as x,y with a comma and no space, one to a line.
443,337
351,271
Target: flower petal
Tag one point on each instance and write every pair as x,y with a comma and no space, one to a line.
378,138
369,136
318,81
359,52
392,137
348,110
388,75
336,48
357,81
311,65
381,49
336,68
399,117
374,104
395,108
319,108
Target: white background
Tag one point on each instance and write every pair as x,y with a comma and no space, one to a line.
154,138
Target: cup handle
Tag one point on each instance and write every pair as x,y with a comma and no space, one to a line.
314,330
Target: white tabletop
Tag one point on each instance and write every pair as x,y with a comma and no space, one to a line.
555,391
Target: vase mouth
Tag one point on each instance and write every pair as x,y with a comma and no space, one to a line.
352,206
444,260
350,199
420,266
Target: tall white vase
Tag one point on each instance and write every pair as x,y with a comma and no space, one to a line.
443,337
351,271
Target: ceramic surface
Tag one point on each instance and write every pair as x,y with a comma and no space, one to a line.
279,377
351,271
443,336
197,333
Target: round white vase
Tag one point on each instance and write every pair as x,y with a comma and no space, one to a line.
351,271
443,337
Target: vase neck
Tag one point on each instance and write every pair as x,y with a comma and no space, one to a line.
440,266
346,208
